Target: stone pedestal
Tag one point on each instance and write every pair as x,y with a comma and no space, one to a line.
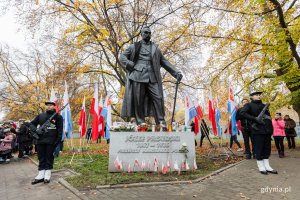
129,147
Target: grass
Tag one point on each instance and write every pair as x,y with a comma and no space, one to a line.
96,173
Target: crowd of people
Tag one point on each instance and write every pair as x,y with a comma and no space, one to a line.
282,127
15,137
257,132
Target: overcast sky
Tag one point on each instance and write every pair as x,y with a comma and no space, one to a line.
11,34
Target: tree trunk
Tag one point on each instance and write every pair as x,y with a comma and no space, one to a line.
296,107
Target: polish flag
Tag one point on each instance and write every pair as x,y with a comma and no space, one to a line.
143,165
195,165
120,167
116,162
168,164
187,167
199,111
212,114
164,169
136,163
95,112
196,131
128,168
101,119
82,119
54,99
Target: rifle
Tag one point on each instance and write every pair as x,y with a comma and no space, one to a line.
262,115
44,127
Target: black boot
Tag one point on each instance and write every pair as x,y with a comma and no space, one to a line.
35,181
280,154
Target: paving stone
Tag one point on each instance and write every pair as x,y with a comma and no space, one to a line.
240,182
16,177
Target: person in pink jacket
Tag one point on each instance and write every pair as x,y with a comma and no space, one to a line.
6,145
278,133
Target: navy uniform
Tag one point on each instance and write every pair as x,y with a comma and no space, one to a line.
261,133
46,143
246,131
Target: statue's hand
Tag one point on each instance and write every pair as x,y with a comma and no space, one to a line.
179,76
130,66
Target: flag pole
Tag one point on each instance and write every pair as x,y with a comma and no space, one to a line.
87,123
80,140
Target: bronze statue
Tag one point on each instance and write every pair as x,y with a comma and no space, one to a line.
143,89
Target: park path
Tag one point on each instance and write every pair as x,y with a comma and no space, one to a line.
239,182
15,183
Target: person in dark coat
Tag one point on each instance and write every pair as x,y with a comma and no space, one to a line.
204,131
233,138
290,131
193,130
24,139
246,131
143,89
47,141
261,130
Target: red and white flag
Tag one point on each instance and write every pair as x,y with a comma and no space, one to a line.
143,165
95,112
164,169
120,167
82,120
116,162
136,163
168,164
101,119
212,113
187,167
54,99
128,168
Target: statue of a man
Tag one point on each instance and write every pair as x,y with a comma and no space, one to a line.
143,90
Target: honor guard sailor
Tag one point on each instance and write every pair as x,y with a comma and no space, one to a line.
48,138
261,129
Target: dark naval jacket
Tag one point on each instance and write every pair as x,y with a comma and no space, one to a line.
54,134
250,111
